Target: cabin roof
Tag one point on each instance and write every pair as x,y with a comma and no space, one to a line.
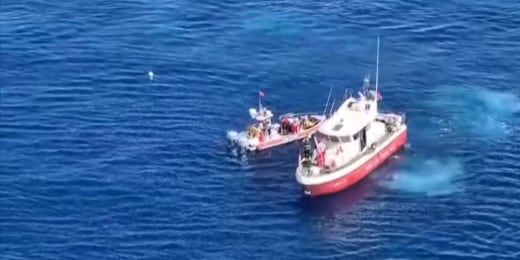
345,121
260,116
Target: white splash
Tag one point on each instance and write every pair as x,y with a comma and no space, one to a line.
478,110
430,177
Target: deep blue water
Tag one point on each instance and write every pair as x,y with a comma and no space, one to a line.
99,162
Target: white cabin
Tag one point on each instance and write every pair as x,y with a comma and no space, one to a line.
350,130
263,115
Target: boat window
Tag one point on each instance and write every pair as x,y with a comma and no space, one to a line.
320,136
338,127
345,139
334,139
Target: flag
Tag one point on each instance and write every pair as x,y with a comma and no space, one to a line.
379,97
261,93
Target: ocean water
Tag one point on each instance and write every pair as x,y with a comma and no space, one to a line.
97,161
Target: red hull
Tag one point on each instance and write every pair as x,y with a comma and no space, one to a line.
351,178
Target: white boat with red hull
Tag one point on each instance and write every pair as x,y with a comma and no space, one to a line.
264,134
350,144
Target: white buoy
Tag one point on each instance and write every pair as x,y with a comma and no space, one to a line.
150,74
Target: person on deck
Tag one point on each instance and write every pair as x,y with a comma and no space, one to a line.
307,123
307,148
296,126
322,147
261,136
264,111
261,126
253,131
285,123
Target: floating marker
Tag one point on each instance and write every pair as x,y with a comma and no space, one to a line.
150,75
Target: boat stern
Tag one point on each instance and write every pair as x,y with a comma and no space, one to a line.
242,140
306,174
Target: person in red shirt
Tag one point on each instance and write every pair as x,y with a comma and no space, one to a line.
285,125
295,128
321,153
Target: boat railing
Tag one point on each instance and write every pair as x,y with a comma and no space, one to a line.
389,112
392,119
386,113
281,117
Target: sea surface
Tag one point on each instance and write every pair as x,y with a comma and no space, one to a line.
98,161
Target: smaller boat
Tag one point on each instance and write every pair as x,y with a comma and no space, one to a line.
350,144
263,134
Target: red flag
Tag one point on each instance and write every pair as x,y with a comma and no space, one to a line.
261,93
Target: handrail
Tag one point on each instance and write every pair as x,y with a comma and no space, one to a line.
291,114
390,112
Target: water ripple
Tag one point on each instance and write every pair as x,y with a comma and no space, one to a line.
97,160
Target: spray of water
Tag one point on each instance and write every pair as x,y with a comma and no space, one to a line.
430,177
477,110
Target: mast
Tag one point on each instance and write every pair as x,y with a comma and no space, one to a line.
328,98
259,101
377,67
332,106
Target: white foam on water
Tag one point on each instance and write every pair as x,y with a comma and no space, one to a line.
478,111
430,177
499,102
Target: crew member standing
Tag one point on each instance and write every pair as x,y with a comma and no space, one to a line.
261,133
307,149
295,125
268,126
285,124
321,153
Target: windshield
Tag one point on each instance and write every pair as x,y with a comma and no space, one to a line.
331,140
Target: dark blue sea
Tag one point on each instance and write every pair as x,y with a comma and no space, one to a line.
98,161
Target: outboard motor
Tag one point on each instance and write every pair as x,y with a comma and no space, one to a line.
232,136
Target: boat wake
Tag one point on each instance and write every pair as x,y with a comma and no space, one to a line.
478,110
233,138
431,177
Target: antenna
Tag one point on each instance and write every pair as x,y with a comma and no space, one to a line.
259,103
332,107
326,104
259,99
377,66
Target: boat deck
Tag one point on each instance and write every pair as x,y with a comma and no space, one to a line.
368,150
